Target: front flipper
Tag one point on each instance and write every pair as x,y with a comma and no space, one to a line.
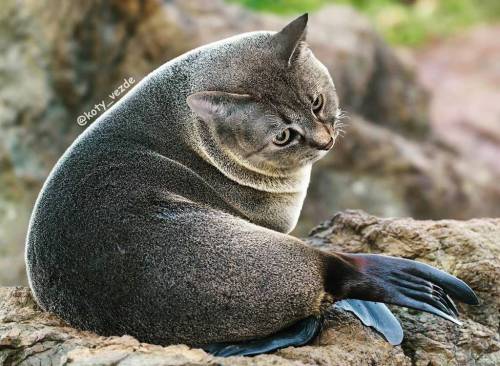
397,281
298,334
377,316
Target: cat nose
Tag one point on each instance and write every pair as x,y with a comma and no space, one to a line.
321,138
328,146
326,143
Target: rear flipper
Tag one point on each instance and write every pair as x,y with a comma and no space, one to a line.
377,316
360,283
298,334
396,281
372,314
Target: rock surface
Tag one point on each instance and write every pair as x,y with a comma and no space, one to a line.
467,249
465,113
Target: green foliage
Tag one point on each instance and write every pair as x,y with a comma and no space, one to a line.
283,6
408,22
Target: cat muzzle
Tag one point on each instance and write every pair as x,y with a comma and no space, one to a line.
327,146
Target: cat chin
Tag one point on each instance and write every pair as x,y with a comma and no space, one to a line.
323,153
319,155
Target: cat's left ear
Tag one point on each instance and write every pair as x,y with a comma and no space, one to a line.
212,105
287,41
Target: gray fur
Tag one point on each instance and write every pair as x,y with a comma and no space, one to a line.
168,222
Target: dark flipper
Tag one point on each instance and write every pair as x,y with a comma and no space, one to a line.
298,334
397,281
377,316
375,279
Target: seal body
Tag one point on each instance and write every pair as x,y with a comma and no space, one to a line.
137,233
167,219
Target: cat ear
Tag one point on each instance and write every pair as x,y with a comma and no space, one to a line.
287,40
211,104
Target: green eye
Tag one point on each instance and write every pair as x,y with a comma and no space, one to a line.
283,138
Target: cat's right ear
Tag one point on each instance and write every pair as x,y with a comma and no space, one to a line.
216,105
286,42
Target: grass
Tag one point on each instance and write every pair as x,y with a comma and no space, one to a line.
406,22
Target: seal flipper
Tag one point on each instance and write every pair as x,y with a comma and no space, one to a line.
297,334
377,316
396,281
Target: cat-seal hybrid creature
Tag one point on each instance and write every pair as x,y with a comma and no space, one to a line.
167,219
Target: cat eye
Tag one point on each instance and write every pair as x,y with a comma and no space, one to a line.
317,104
283,138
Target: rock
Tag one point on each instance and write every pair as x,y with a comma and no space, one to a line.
464,81
467,249
29,336
387,174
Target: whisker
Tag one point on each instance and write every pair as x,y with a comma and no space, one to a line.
340,123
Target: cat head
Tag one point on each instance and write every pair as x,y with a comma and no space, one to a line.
280,111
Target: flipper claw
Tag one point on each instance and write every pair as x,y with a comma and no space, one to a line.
401,282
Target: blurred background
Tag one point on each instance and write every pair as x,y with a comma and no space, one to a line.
420,81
